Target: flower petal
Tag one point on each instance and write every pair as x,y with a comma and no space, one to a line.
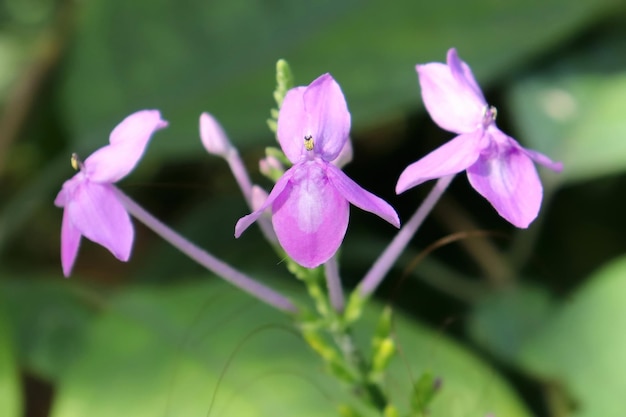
213,136
128,142
452,103
329,118
292,124
463,73
510,183
361,198
96,212
450,158
345,156
542,159
310,217
70,242
245,222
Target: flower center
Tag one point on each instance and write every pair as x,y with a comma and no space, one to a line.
77,164
308,142
489,115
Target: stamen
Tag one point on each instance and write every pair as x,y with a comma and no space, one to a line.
308,142
489,115
77,164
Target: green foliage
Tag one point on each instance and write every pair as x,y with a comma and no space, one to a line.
188,57
574,109
162,351
582,345
10,396
503,321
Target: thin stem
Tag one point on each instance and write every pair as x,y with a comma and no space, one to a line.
383,264
240,173
228,273
333,281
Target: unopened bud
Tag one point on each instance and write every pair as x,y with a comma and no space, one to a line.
271,167
213,136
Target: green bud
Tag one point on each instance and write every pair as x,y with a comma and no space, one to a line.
354,307
382,355
390,411
284,81
347,411
424,391
385,322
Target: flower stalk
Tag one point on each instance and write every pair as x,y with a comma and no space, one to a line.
202,257
390,255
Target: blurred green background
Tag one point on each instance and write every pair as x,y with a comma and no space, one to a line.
515,323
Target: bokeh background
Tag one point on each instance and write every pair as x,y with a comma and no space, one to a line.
515,323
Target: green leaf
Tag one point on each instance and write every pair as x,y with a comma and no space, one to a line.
574,110
191,56
161,350
503,321
583,345
10,396
49,317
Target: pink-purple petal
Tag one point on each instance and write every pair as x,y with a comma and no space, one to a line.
452,157
510,183
310,217
329,118
282,183
361,198
128,141
293,124
213,136
70,242
463,73
99,216
453,105
345,156
542,159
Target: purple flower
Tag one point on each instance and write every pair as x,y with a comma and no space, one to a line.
91,208
310,202
498,167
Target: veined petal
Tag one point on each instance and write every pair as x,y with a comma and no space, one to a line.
542,159
245,222
452,104
310,217
450,158
510,183
361,198
96,212
293,124
70,242
128,141
329,118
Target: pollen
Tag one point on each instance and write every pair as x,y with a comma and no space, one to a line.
308,142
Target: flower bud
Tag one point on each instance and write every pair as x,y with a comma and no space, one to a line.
213,136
